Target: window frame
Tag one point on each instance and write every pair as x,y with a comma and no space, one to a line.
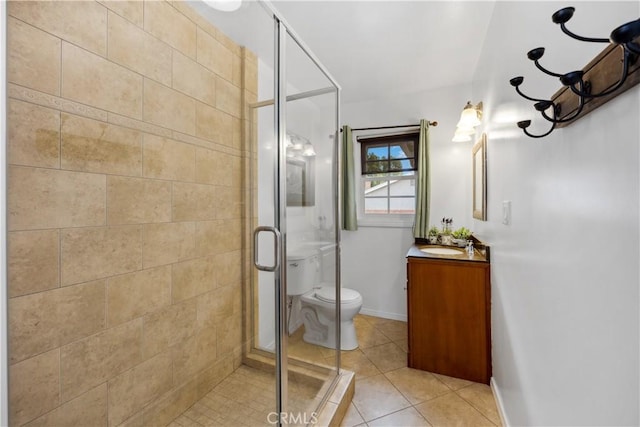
389,140
385,220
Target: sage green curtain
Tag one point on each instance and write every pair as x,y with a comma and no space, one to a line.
423,184
349,212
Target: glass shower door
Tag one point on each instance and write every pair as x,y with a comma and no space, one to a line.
291,130
312,235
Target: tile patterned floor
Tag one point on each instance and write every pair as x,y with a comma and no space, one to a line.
388,393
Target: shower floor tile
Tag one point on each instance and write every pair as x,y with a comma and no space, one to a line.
244,398
388,393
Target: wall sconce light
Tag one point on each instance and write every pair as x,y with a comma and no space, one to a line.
469,118
308,150
595,84
298,145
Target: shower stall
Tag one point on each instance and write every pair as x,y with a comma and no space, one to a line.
293,134
165,162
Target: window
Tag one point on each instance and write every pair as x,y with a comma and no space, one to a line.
388,187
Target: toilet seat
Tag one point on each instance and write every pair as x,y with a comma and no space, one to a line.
328,294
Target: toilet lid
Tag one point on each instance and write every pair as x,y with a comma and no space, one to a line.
328,294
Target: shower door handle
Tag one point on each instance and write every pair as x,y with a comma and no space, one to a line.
277,237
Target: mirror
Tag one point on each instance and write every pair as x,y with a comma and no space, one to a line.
300,181
479,160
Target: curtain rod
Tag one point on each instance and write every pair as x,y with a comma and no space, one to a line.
392,127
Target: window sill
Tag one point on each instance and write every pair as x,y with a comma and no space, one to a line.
384,223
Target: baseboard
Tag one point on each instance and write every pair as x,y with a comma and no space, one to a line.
499,404
384,314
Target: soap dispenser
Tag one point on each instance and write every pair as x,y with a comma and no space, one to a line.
470,249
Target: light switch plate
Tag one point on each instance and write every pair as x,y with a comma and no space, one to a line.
506,212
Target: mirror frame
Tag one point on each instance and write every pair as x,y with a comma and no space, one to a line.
479,173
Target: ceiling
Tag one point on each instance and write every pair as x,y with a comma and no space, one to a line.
371,48
377,48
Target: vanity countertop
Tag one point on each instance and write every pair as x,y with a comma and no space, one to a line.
480,255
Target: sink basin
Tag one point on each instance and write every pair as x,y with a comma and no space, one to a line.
442,251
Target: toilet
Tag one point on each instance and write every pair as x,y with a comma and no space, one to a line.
317,302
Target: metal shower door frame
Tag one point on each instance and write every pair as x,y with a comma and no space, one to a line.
281,30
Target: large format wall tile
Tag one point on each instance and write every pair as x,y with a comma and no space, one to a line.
47,198
168,243
193,79
35,387
168,159
229,334
215,56
209,240
193,277
214,124
194,354
228,98
92,146
89,409
132,10
214,167
236,71
131,390
250,82
169,108
125,227
170,26
136,294
192,202
214,237
168,327
137,201
134,48
33,261
33,137
229,268
33,57
171,405
95,81
82,23
229,203
47,320
86,363
94,253
214,305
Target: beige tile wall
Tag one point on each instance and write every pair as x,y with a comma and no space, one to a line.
126,209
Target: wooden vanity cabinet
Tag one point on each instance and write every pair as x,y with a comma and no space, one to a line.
449,318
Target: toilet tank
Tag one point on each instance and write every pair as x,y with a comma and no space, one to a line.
328,264
303,268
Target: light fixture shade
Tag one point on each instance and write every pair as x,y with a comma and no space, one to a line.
224,5
461,137
465,131
308,150
469,117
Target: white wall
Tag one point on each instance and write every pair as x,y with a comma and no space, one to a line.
373,258
565,272
565,302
